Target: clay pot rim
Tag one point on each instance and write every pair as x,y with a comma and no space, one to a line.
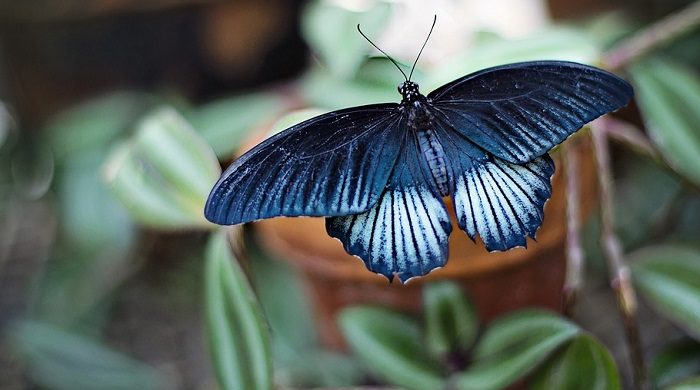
317,263
473,265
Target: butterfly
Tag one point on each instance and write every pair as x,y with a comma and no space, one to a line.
379,172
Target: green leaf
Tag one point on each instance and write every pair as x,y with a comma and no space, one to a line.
75,287
669,98
318,368
683,48
298,358
609,27
450,321
149,202
376,81
637,216
32,166
59,359
669,277
285,305
95,123
177,153
676,363
86,204
389,344
689,384
557,43
513,346
164,174
224,124
80,138
685,227
238,335
330,31
584,364
346,93
381,72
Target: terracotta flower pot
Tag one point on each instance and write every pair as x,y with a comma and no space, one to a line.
497,282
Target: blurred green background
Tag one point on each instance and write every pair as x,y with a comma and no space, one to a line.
117,116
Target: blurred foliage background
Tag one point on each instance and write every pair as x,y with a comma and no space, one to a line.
115,118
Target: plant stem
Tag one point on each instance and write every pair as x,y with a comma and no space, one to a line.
574,250
621,281
629,135
236,237
653,36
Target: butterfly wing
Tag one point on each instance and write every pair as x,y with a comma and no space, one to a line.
334,164
520,111
405,233
500,201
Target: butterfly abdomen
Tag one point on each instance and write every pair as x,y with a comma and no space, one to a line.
436,158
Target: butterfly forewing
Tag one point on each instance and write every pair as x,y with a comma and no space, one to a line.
520,111
334,164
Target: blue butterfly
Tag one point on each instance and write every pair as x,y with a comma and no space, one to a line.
378,172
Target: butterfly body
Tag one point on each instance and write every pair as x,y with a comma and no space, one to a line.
420,123
379,172
436,159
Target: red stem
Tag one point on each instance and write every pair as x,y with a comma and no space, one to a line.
620,275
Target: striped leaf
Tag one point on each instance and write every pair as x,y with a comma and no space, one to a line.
239,339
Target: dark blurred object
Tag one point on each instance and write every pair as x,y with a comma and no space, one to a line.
573,9
27,231
55,53
647,10
651,10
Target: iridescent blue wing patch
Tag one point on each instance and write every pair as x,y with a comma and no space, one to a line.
335,164
520,111
405,233
499,201
503,202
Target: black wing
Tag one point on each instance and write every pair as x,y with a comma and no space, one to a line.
501,202
405,233
520,111
334,164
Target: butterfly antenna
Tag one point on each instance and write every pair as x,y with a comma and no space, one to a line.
421,49
387,56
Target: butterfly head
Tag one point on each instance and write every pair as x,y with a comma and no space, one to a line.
409,91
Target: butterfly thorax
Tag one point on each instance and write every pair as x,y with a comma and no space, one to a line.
409,92
422,123
414,105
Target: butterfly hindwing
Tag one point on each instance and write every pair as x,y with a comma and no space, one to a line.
335,164
406,232
503,202
500,201
519,111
